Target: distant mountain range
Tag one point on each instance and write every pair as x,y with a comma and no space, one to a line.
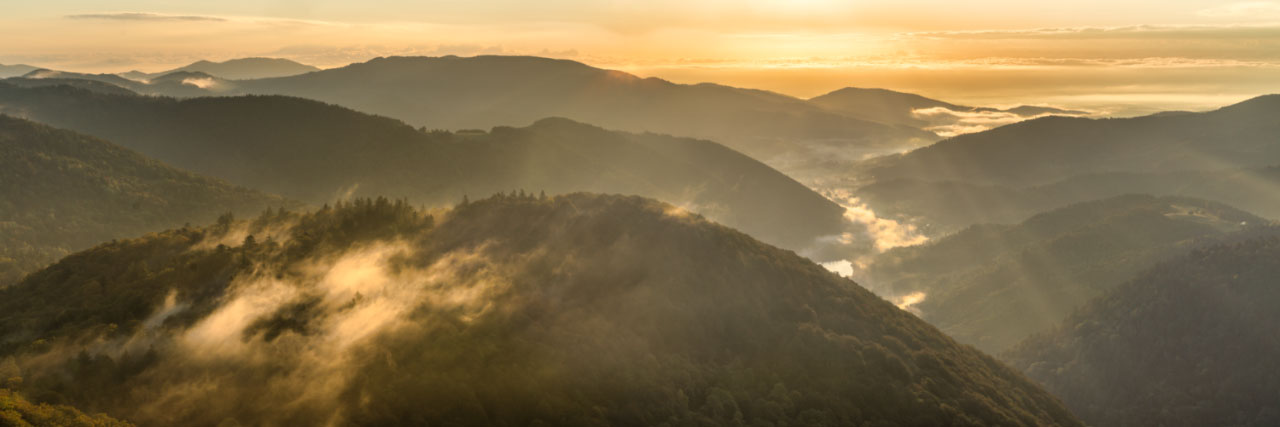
316,152
15,70
890,107
808,139
1046,150
62,192
994,285
1007,174
235,69
1189,342
513,310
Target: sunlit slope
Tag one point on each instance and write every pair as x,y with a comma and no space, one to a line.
579,309
61,192
1050,149
17,411
993,285
1191,342
942,207
317,152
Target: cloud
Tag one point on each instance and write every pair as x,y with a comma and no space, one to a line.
1252,9
145,16
947,122
1123,32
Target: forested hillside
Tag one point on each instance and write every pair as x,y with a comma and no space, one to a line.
317,152
1190,342
994,285
62,192
512,310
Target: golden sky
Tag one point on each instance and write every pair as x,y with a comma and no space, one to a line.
1116,55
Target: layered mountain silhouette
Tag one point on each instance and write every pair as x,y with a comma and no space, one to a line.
892,107
15,70
234,69
1051,149
994,285
62,192
513,310
479,92
1187,343
316,152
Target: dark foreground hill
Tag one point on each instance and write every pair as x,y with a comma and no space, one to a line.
994,285
572,310
316,152
1050,149
61,192
1191,342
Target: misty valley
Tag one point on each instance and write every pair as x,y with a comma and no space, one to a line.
515,239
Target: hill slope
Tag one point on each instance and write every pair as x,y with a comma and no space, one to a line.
1051,149
993,285
574,310
315,152
62,192
944,207
1190,342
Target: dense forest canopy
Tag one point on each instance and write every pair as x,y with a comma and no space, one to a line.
62,192
1192,341
566,310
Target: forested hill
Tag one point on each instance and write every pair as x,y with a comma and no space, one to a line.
61,192
570,310
994,285
1191,342
316,152
1054,148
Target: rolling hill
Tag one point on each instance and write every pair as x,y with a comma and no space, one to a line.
1189,342
485,91
1051,149
234,69
62,192
994,285
316,152
943,207
513,310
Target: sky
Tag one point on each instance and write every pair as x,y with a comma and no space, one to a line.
1114,56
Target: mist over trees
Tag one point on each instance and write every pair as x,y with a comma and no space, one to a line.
567,310
993,285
